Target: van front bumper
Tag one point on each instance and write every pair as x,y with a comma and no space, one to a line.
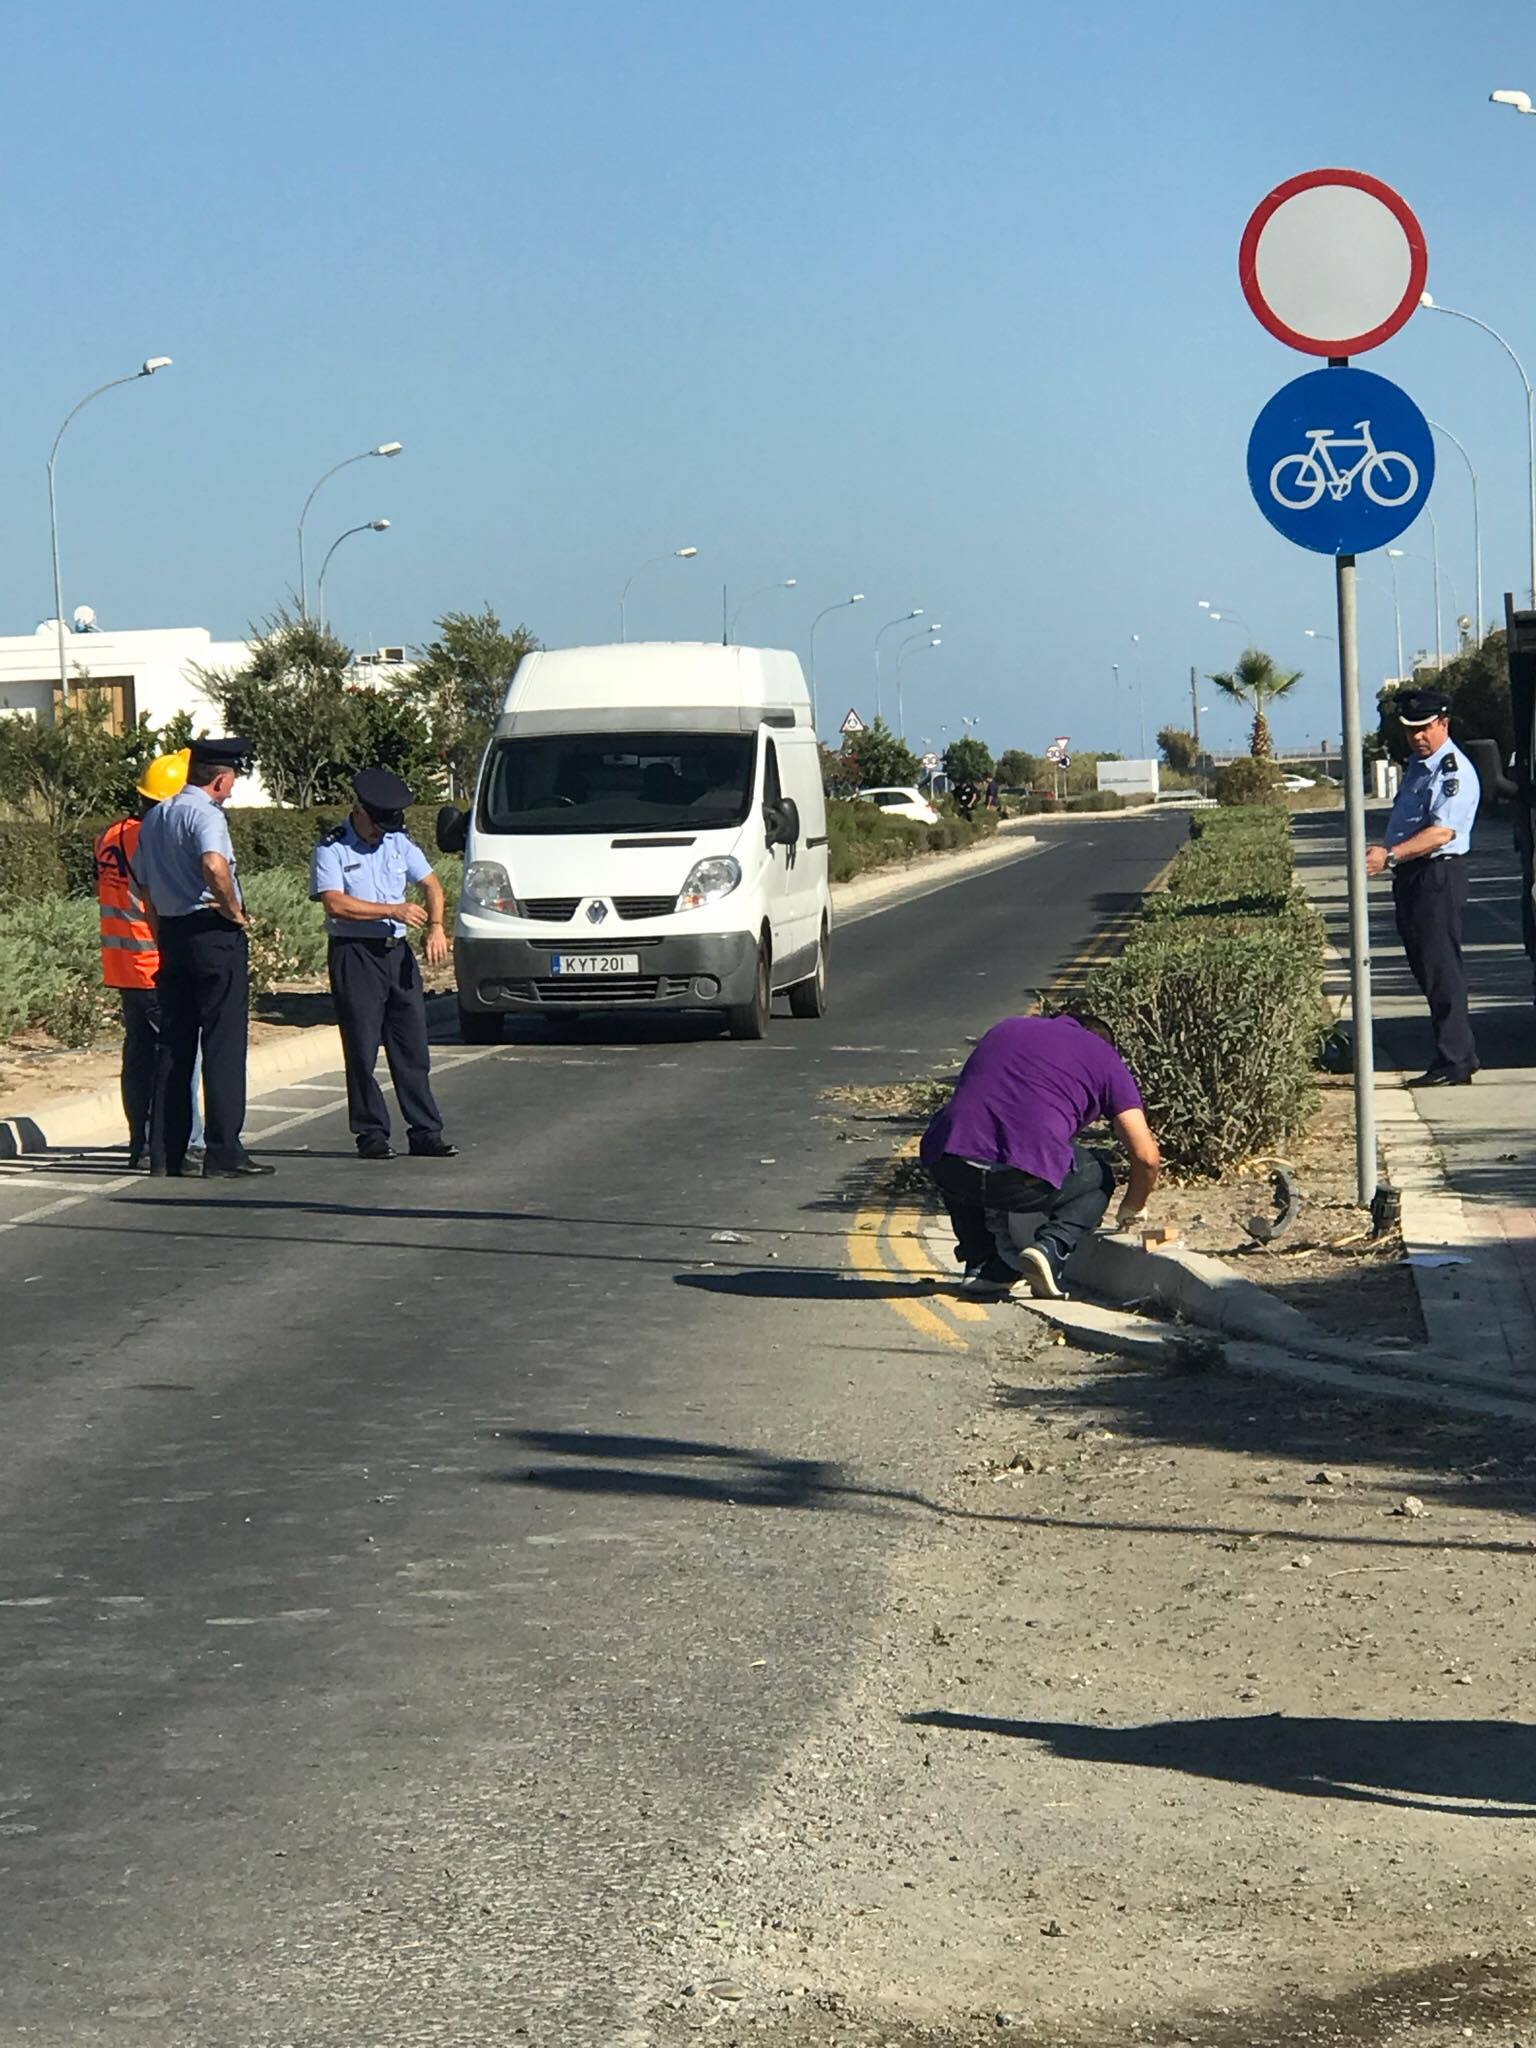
692,971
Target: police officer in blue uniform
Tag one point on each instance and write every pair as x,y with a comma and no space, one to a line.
186,868
1429,836
360,873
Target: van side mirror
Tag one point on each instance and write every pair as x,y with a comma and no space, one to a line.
782,822
452,829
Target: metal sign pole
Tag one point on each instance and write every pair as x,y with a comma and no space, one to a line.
1359,902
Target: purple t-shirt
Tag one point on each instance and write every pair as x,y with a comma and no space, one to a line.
1027,1090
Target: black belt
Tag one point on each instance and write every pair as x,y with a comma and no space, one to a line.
197,921
364,939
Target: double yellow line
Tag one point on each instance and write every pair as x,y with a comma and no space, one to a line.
887,1242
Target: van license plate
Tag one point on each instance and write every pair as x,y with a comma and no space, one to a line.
594,963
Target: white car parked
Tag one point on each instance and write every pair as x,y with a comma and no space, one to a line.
902,803
1297,782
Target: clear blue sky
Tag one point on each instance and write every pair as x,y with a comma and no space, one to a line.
936,303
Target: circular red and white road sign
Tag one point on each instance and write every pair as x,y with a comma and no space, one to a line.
1333,262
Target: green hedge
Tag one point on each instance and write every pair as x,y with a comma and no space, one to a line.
862,836
1216,999
50,962
33,861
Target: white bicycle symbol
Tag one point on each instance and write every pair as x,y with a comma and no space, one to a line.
1387,476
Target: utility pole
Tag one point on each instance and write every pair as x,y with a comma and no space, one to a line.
1194,708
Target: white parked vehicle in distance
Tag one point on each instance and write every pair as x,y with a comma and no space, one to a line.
901,803
648,831
1297,782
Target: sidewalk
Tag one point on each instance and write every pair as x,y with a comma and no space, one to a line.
1463,1158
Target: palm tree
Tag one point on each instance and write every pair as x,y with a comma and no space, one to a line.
1258,682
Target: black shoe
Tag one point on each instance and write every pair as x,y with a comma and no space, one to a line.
375,1147
433,1148
993,1280
166,1172
135,1162
245,1168
1443,1077
1043,1265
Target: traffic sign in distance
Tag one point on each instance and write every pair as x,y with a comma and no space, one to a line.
1341,461
1058,749
851,724
1333,262
930,762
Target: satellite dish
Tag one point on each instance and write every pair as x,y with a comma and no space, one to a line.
85,619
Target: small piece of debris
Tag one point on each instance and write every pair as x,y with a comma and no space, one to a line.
725,1987
1409,1505
1327,1477
726,1237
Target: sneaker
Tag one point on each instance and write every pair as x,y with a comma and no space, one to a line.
994,1281
1042,1265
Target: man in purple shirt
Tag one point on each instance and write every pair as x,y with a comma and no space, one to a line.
1005,1144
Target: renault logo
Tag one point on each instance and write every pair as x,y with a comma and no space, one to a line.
596,912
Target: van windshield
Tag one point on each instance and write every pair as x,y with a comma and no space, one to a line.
618,782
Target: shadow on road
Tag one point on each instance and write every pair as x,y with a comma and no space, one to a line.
1482,1768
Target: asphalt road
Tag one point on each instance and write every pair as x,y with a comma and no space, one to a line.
410,1573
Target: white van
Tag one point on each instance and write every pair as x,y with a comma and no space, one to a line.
648,832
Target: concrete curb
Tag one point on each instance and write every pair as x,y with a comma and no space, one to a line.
1156,1345
1205,1291
96,1117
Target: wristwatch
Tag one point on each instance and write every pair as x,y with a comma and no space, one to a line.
1391,862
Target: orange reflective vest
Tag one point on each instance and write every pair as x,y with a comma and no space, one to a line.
130,956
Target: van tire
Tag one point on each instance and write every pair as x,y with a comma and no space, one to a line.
480,1027
808,998
750,1020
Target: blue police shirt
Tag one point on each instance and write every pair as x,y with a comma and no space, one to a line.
168,862
1441,790
374,874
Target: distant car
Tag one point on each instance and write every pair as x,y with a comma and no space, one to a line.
1297,782
1329,781
902,803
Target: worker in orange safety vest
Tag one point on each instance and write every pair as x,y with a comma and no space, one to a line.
130,953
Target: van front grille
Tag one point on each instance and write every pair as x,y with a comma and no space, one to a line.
549,909
631,907
600,991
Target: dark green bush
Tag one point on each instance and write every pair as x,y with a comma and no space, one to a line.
29,863
1095,800
1249,782
1216,999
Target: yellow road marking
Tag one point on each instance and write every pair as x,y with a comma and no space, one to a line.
864,1257
906,1242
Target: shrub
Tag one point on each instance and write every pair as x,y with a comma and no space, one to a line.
29,863
1216,1000
287,931
50,971
1249,782
1096,800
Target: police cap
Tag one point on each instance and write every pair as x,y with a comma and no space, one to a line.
224,753
383,796
1421,707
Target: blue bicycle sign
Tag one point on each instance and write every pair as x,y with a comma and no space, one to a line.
1341,461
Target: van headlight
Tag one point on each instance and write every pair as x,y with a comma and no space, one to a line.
710,880
488,886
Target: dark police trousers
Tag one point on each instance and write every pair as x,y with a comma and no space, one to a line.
980,1199
1429,897
376,986
204,985
141,1053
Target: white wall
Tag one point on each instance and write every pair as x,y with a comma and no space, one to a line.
161,663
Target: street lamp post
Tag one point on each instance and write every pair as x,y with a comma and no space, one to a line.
678,554
1477,530
1394,556
915,613
928,637
146,369
762,590
841,606
385,448
1141,692
1530,418
368,526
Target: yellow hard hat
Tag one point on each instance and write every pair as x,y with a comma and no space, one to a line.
165,776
